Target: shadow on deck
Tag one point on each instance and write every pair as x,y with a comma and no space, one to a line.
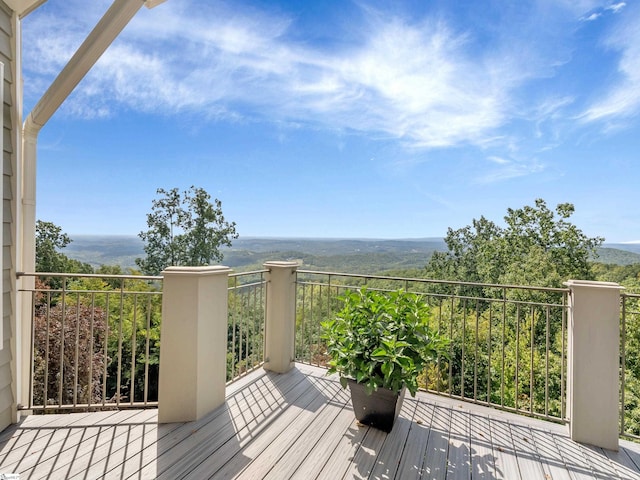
301,425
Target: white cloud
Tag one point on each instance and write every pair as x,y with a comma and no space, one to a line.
615,8
508,169
412,82
622,97
498,160
424,83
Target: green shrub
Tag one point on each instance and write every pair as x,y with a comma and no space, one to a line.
382,339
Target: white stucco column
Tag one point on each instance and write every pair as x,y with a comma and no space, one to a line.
281,316
593,362
193,336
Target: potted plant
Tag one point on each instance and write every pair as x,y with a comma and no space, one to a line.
379,344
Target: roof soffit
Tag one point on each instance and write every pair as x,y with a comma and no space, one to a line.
23,7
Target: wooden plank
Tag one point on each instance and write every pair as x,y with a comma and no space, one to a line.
307,443
241,412
157,445
235,454
459,457
260,453
78,453
528,459
435,460
47,442
331,443
247,380
342,453
113,460
552,462
210,457
19,438
388,458
482,457
52,441
95,454
365,456
602,466
506,461
411,461
173,440
574,458
632,452
301,425
150,443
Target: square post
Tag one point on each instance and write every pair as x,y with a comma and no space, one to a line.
193,351
280,322
593,362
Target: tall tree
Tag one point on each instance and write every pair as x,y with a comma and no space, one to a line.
50,239
537,246
185,228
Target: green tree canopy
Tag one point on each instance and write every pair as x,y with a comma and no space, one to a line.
50,239
184,229
537,246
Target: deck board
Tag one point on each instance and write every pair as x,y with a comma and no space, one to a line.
482,457
301,425
271,448
386,462
334,417
311,465
436,455
506,461
527,456
553,464
459,458
411,461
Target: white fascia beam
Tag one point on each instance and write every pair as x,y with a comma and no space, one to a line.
103,35
153,3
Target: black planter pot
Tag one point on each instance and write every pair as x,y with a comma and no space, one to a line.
378,410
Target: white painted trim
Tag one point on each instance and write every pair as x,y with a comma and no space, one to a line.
2,196
24,7
280,321
16,249
593,362
193,357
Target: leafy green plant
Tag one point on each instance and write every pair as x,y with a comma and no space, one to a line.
382,339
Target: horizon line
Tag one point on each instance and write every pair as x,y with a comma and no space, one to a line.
310,238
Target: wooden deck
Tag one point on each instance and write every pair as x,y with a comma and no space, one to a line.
301,425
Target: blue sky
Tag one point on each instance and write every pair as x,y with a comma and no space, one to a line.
369,119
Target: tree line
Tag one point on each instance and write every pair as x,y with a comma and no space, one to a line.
533,245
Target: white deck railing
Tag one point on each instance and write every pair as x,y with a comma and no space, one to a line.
507,343
94,341
519,348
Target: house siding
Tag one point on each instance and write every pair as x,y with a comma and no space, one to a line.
8,228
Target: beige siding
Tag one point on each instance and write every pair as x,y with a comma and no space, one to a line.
8,164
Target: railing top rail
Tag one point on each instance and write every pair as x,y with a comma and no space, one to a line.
630,295
253,272
88,275
442,282
89,291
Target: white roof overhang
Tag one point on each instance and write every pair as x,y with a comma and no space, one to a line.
23,7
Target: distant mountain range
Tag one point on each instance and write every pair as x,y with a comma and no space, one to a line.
346,254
